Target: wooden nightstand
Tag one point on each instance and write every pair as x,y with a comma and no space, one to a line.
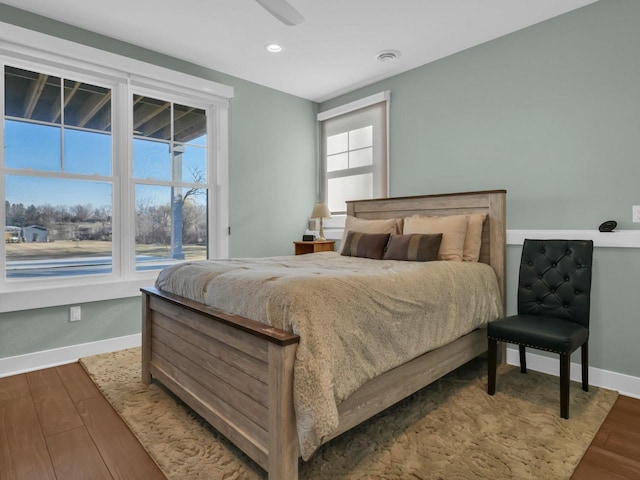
313,247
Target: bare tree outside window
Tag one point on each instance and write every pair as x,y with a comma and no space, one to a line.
172,194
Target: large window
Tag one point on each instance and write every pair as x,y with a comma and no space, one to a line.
58,180
170,174
105,176
355,152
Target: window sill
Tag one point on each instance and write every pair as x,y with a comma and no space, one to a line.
334,227
615,239
16,300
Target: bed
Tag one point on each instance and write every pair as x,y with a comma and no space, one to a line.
238,373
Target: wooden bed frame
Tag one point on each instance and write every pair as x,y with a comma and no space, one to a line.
240,378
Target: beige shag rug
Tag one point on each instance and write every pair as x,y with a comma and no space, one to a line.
449,430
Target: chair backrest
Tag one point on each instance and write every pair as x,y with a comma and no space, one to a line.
555,279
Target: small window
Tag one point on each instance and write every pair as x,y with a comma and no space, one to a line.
354,153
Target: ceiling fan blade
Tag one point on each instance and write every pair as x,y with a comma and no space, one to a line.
283,11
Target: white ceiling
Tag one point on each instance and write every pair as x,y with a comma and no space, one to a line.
332,52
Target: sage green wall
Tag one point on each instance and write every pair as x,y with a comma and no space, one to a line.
48,328
273,185
552,114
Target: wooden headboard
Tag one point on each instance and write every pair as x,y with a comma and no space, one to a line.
491,202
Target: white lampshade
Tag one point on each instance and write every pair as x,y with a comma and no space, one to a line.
320,210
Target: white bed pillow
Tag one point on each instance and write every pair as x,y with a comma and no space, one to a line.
452,227
355,224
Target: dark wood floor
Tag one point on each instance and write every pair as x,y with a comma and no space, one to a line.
614,453
55,424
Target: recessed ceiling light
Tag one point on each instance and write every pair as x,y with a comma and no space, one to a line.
387,55
273,48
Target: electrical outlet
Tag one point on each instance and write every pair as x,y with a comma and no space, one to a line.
635,217
75,314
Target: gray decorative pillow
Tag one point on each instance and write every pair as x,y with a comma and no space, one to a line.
366,245
413,247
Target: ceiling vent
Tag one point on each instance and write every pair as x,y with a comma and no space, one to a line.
387,55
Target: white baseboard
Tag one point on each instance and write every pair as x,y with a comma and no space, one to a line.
624,384
61,356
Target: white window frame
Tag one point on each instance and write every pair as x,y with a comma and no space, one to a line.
36,51
337,221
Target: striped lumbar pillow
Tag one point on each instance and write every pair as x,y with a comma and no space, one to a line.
366,245
413,247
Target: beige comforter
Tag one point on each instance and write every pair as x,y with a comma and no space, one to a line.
356,318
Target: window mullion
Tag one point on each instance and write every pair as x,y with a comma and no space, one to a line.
124,250
347,172
167,183
3,253
62,112
217,133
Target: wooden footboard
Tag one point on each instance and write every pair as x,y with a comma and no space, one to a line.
238,375
235,373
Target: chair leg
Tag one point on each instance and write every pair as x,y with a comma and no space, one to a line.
565,362
585,366
492,353
523,359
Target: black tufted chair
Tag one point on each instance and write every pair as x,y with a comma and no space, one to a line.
553,308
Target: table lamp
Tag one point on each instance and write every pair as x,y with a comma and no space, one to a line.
320,210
